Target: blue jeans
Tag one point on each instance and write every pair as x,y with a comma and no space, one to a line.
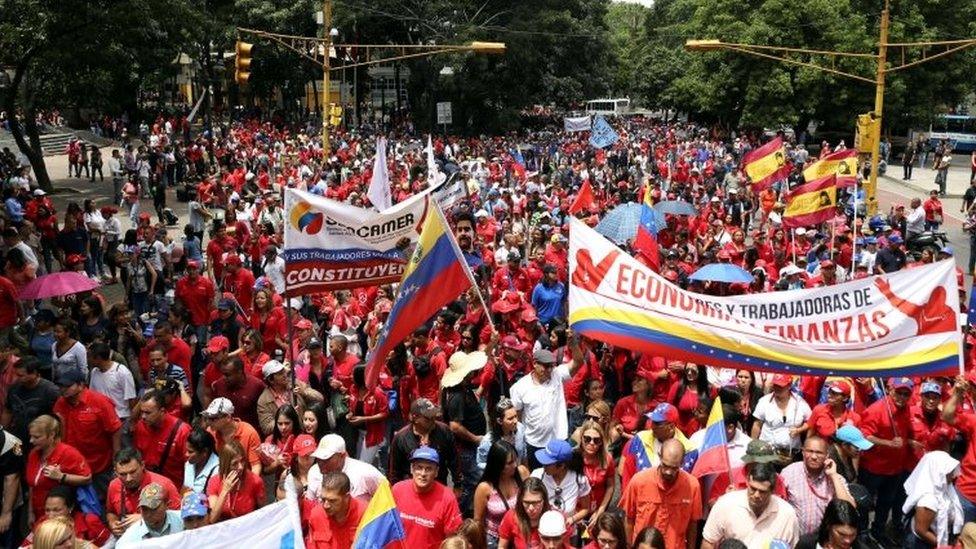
889,494
968,507
470,475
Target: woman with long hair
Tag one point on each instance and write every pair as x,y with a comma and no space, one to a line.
838,529
251,352
519,528
277,448
58,533
92,321
684,396
504,425
607,532
267,318
236,490
51,463
67,352
315,420
745,381
598,467
61,503
202,461
630,410
649,538
497,492
95,224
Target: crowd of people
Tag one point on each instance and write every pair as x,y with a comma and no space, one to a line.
201,393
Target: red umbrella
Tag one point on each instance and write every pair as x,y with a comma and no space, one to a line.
57,284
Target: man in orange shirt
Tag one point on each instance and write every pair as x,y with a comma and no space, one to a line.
222,424
666,498
332,524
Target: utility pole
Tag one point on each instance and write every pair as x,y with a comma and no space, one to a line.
326,84
871,186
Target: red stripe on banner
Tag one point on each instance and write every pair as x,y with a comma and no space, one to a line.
812,218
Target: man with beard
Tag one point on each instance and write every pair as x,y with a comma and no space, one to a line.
332,521
464,234
464,416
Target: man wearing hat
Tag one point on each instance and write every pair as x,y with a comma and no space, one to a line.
511,276
196,292
892,258
424,429
238,280
826,418
96,439
428,509
665,497
278,391
888,424
157,521
331,457
932,432
220,421
663,427
333,519
465,417
541,401
552,530
194,510
757,451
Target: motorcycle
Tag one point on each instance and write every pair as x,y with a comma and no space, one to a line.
927,240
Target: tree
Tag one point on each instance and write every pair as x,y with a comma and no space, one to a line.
84,53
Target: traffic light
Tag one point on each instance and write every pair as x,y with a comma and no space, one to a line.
335,114
242,62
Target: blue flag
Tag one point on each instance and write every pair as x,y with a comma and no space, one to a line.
602,135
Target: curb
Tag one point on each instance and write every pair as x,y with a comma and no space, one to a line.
911,185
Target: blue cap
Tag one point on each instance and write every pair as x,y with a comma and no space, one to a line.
557,451
859,241
870,240
894,239
930,387
946,250
902,383
194,505
852,435
664,413
426,453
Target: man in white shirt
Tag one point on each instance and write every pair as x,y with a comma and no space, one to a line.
111,379
11,239
915,222
754,516
330,457
274,268
541,402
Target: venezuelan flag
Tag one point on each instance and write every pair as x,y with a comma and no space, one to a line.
766,164
640,451
435,276
811,203
713,456
843,164
648,198
381,523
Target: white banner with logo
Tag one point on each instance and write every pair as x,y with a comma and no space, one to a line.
577,123
275,526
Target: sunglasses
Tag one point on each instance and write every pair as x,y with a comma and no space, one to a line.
592,440
557,500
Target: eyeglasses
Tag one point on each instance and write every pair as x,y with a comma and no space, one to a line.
592,440
606,542
531,502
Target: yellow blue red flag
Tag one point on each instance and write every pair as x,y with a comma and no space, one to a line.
381,524
713,454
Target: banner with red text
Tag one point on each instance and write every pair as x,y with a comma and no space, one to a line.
902,324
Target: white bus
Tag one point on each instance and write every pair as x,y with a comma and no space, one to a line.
612,107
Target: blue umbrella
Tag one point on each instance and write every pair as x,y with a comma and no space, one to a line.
722,272
675,207
620,224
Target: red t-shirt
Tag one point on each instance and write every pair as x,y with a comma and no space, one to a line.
8,303
597,475
248,496
121,502
627,414
89,426
325,533
241,284
877,421
244,397
966,484
65,455
270,328
151,443
509,530
823,423
427,518
198,297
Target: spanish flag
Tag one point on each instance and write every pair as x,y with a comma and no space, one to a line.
842,163
766,164
811,203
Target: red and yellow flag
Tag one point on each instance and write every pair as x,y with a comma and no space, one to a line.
842,163
766,164
811,203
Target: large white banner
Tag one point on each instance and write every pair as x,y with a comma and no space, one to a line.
577,124
902,324
276,526
330,245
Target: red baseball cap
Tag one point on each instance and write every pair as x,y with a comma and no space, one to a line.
841,387
304,445
782,380
217,344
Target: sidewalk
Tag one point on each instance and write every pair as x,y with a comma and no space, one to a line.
923,179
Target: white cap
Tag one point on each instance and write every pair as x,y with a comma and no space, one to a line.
271,368
552,524
39,192
801,231
295,303
789,270
329,446
219,407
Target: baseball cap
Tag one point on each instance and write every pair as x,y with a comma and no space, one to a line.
947,250
782,380
759,451
219,406
841,387
544,356
852,435
194,505
557,451
231,258
314,343
69,377
511,342
329,446
152,496
800,231
39,192
663,413
271,368
217,344
552,524
424,407
192,264
295,303
930,387
225,304
425,453
894,239
303,324
304,445
902,383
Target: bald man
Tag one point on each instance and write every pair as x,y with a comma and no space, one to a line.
666,498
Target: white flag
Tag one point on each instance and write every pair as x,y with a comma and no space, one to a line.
434,175
379,185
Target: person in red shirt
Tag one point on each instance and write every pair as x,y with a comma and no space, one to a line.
965,421
519,528
50,463
932,432
220,244
122,501
268,319
332,521
826,418
630,410
196,291
160,437
428,509
238,280
90,424
425,368
241,389
61,502
10,310
888,424
236,490
177,350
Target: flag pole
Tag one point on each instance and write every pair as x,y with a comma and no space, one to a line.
464,264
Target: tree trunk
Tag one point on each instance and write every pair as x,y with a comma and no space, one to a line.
32,150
